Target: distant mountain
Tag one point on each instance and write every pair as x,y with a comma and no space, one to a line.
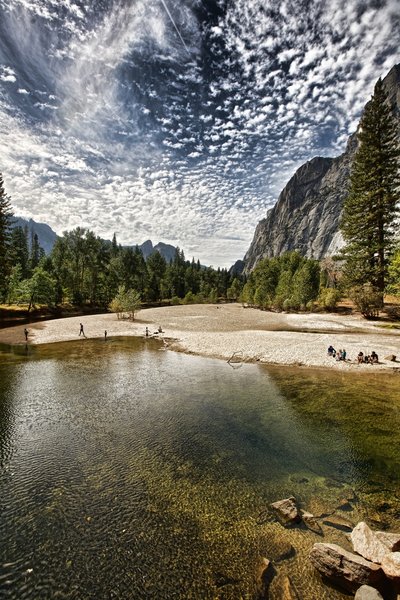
46,235
307,214
47,238
237,268
166,250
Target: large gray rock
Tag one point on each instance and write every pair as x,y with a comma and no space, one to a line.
344,568
391,566
366,543
307,214
366,592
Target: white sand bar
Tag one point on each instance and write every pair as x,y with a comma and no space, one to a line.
222,330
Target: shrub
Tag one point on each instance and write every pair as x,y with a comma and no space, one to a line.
367,299
328,298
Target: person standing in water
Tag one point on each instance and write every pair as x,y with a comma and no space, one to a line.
26,332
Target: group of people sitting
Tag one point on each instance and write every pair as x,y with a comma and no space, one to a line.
367,358
339,354
361,357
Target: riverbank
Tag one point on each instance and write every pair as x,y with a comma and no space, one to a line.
229,330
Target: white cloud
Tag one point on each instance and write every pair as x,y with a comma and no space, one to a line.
113,125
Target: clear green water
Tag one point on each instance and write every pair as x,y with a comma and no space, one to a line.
129,472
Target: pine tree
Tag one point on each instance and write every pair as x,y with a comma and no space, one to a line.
5,232
370,208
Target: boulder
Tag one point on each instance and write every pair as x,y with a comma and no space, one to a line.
391,540
344,568
366,543
311,522
366,592
391,566
287,510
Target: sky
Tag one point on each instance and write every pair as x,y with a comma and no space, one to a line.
179,120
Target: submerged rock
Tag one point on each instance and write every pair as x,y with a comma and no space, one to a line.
366,543
287,510
283,588
338,522
311,522
266,574
344,568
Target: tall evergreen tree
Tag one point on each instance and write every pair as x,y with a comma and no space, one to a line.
370,208
19,249
36,251
5,227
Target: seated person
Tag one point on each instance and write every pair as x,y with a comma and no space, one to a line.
331,351
374,357
360,357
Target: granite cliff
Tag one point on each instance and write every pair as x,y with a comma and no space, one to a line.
307,214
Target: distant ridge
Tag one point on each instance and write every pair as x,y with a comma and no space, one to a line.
47,238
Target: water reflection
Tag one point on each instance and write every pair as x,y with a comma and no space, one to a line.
131,472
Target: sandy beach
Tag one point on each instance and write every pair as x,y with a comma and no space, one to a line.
229,330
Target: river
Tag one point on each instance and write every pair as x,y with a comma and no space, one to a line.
131,472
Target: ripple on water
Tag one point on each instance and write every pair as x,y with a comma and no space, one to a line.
128,472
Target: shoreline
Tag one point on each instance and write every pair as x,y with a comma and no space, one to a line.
220,331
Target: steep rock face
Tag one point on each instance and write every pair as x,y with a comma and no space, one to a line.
307,215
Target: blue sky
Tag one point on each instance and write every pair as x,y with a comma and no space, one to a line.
179,121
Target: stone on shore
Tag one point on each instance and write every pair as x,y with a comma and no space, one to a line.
287,510
366,592
391,540
366,543
344,568
391,566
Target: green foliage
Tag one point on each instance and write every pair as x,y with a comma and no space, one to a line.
189,298
38,289
394,273
19,250
328,298
175,300
126,303
367,299
369,211
14,283
288,282
5,236
234,291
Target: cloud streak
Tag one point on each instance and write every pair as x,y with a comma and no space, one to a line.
182,121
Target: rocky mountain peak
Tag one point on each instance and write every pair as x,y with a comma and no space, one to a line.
307,214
